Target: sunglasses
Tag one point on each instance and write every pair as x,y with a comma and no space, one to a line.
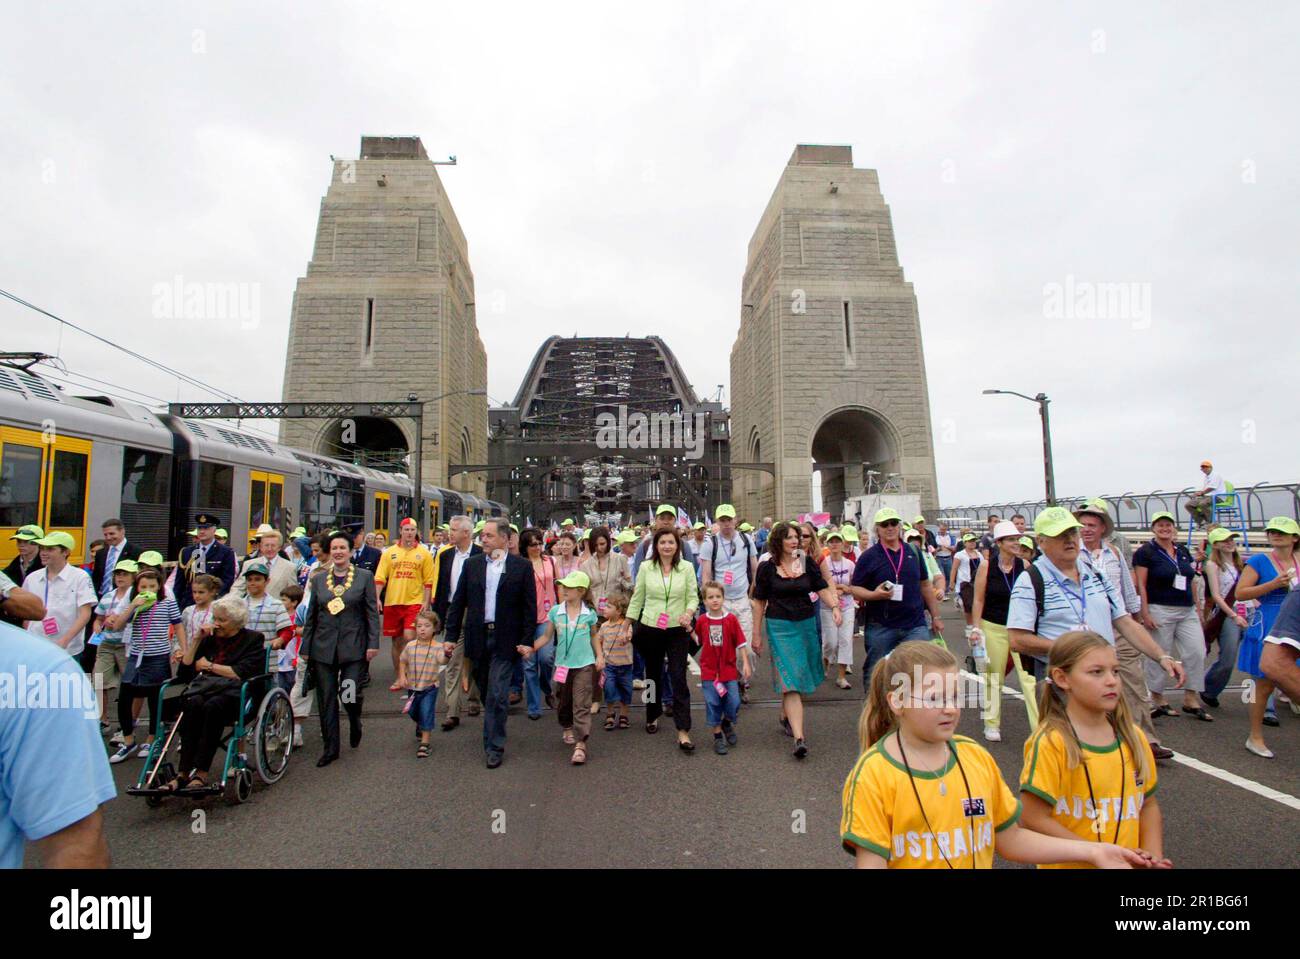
890,522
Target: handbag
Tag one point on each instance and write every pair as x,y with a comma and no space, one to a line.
206,685
1214,625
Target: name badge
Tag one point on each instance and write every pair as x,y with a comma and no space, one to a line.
546,605
561,674
727,579
335,606
600,604
1180,582
720,687
812,597
897,595
96,639
50,625
662,622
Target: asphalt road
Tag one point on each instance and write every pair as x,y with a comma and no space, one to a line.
640,801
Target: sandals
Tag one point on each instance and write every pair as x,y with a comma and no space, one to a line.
686,746
653,727
569,738
1199,712
194,784
579,754
423,751
1165,710
610,722
175,785
624,722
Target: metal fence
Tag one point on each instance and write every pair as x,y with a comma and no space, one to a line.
1259,503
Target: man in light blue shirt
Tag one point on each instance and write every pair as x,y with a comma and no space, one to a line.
1075,597
54,772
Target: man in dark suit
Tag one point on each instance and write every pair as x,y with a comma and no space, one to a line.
340,635
448,564
206,556
367,557
116,548
495,609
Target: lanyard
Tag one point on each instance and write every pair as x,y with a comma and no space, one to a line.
139,657
668,587
1005,578
898,569
1178,566
570,631
1071,596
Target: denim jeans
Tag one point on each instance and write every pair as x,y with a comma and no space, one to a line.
517,677
425,702
1217,676
945,564
538,669
882,640
618,684
717,708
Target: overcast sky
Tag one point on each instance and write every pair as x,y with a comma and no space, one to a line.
613,165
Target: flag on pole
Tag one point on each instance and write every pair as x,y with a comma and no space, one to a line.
683,519
530,522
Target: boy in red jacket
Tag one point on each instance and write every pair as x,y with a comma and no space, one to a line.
720,636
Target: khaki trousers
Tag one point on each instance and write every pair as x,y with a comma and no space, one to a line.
453,695
574,701
1136,695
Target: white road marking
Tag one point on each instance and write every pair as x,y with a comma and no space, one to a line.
1259,789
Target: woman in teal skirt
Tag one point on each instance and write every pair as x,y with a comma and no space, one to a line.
786,588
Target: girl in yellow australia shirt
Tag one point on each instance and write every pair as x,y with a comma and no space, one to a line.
920,797
1089,772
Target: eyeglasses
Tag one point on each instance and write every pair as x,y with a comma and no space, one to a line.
890,522
805,535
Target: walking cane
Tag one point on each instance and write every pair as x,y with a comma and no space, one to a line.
166,746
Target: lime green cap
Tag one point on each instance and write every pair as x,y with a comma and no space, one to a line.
151,557
28,533
1027,542
884,515
1163,514
724,510
576,580
57,539
1283,524
1054,521
1220,533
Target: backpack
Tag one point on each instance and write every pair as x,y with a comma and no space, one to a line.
749,553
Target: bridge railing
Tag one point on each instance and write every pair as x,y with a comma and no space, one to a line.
1133,510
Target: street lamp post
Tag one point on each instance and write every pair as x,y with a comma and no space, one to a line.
1049,472
418,478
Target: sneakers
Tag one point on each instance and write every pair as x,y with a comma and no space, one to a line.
800,749
116,738
992,734
843,684
638,684
297,737
125,752
729,732
719,744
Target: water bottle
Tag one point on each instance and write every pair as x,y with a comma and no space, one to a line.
978,650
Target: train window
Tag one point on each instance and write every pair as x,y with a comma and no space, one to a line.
256,503
216,487
146,477
20,484
274,504
68,489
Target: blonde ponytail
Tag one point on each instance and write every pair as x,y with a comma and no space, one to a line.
1066,651
878,718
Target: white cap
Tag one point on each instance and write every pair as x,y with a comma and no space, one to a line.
1006,528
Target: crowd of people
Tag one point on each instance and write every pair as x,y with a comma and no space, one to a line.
577,621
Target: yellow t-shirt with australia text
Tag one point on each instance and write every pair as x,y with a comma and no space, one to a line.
405,573
1117,794
880,811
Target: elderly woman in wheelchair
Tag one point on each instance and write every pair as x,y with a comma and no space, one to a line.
216,664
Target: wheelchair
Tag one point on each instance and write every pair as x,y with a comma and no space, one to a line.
264,719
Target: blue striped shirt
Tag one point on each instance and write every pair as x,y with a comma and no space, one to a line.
150,631
1063,599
